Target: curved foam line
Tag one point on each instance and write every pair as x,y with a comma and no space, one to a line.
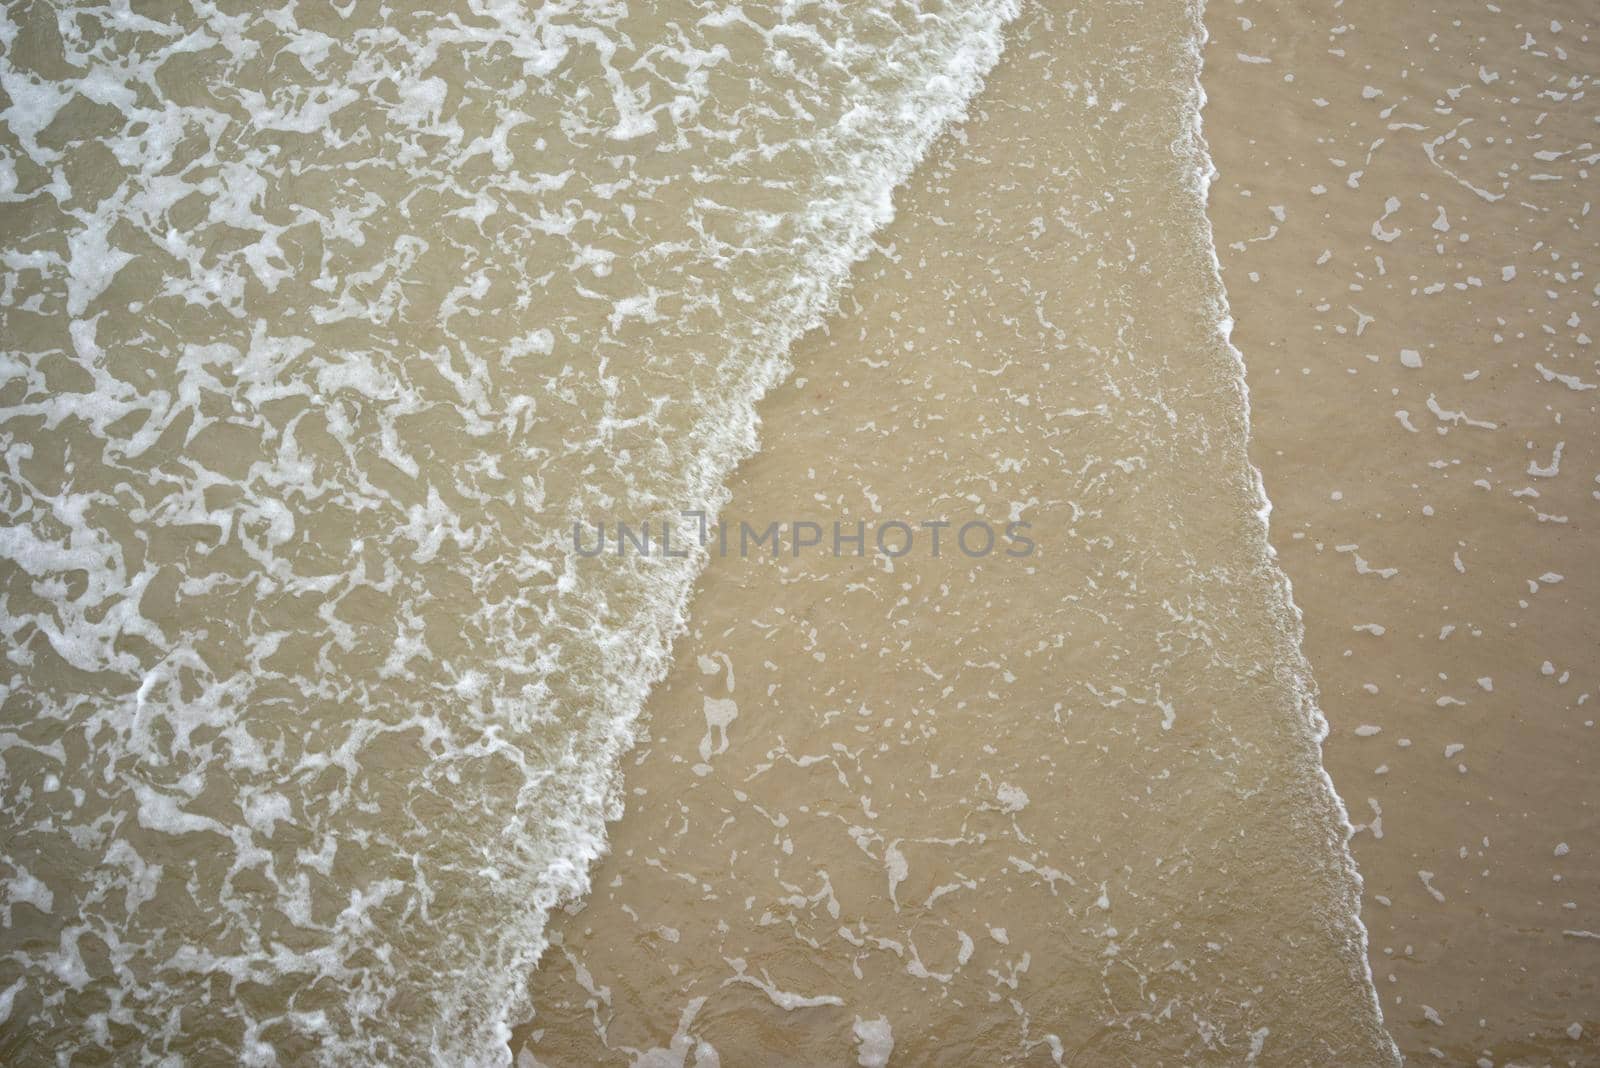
1305,681
962,78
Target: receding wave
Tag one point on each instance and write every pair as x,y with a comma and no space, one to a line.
322,326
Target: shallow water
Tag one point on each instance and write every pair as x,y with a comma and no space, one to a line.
328,331
1407,234
1061,808
323,324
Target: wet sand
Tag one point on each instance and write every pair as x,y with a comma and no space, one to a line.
1400,214
323,325
1423,185
1055,809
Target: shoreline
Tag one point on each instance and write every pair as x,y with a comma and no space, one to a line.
905,824
1344,173
1429,1009
1150,618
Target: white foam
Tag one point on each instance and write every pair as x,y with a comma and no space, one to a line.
189,723
1292,625
874,1042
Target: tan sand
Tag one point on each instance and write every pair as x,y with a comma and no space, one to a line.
834,840
1396,179
1052,809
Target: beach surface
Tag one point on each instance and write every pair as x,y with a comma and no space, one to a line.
1406,225
1064,807
1148,613
913,836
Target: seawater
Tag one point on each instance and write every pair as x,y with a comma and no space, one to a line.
1064,808
322,326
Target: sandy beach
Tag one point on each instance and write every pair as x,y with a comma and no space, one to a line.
944,532
1406,237
1401,216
